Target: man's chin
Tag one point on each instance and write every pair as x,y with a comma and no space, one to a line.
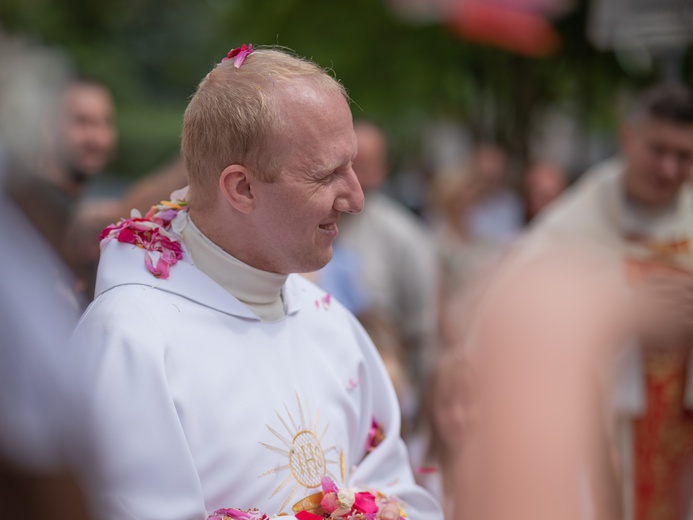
318,262
83,174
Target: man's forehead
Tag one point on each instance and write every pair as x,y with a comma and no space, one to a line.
670,132
299,94
83,94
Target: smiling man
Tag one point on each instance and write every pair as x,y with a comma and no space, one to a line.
213,377
84,136
658,144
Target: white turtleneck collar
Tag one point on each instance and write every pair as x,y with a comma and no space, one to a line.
260,290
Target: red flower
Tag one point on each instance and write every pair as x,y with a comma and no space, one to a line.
239,54
127,235
306,515
365,502
375,436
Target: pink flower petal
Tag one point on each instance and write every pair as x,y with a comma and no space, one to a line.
236,514
375,436
128,236
328,485
330,502
365,502
140,224
148,263
168,256
107,231
166,215
162,268
342,513
238,60
239,54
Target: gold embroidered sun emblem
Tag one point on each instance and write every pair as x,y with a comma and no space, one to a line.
307,462
306,459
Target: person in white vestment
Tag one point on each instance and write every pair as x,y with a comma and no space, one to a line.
639,208
215,381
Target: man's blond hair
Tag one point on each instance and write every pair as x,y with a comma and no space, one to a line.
232,118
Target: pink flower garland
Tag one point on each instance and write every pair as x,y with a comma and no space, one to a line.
336,504
237,514
151,234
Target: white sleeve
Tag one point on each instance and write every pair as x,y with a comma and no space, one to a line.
137,461
387,468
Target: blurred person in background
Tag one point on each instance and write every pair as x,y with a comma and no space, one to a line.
496,215
86,143
80,139
38,303
543,182
395,256
640,207
77,139
464,259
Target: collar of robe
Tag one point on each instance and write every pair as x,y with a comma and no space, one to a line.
122,264
259,290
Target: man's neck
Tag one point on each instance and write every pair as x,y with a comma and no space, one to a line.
67,179
648,210
661,222
259,290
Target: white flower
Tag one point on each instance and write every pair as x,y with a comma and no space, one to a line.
346,498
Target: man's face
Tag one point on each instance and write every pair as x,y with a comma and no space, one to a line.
314,147
86,133
659,156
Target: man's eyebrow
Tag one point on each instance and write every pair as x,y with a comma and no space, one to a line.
328,168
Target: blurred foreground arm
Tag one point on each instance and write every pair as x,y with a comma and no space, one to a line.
543,334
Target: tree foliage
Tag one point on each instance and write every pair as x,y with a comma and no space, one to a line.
153,52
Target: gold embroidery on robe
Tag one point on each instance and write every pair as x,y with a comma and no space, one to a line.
664,434
305,460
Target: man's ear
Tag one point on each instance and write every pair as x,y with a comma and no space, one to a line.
235,186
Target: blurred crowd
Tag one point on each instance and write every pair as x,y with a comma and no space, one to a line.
538,334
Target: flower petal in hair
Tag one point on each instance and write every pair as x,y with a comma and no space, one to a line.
239,54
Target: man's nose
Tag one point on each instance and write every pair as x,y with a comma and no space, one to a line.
351,199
